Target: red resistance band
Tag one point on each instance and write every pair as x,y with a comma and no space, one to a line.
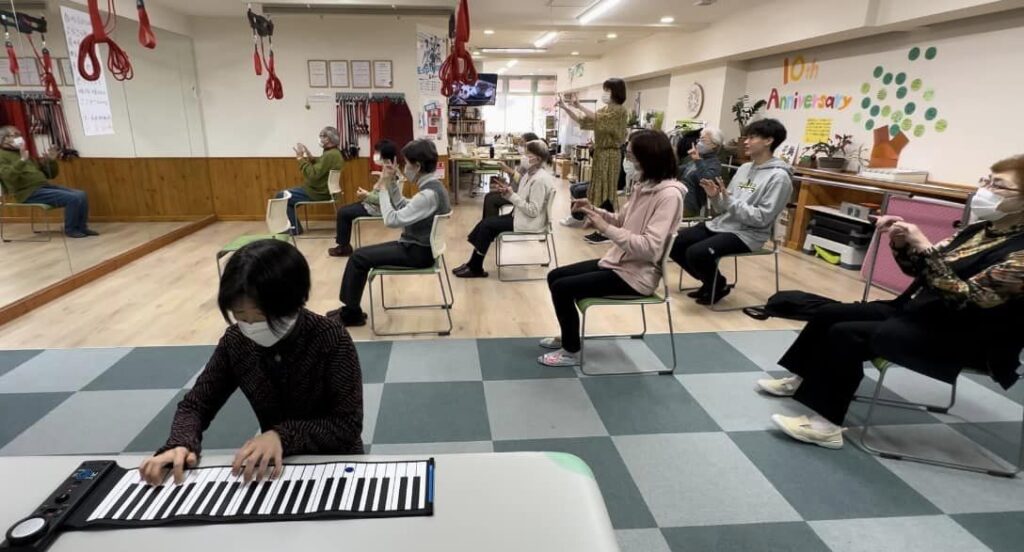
49,82
12,57
458,68
117,60
274,89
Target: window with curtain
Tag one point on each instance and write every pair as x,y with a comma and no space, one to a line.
521,105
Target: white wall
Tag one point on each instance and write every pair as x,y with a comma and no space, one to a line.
241,122
976,79
653,93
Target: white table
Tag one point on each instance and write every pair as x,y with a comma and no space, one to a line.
523,501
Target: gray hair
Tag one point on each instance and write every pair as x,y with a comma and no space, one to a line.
715,134
7,131
332,134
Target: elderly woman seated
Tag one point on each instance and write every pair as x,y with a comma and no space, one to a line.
963,310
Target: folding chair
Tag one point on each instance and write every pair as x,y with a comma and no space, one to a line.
32,207
278,226
440,266
357,228
334,187
772,250
547,236
883,367
653,299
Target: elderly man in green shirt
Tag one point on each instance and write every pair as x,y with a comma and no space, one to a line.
28,181
315,170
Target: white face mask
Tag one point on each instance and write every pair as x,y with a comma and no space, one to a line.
703,149
18,142
532,161
410,172
985,205
261,333
376,159
632,172
606,97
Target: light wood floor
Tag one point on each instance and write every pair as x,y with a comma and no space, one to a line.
169,296
30,266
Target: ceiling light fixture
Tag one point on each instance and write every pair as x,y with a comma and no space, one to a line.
488,31
476,53
575,54
595,10
511,63
548,38
668,19
502,70
612,36
513,50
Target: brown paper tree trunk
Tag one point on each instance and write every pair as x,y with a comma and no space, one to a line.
886,151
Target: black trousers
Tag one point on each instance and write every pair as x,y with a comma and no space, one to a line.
696,249
343,224
571,283
493,202
353,282
579,191
830,352
487,230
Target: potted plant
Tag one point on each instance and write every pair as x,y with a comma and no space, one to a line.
831,155
743,112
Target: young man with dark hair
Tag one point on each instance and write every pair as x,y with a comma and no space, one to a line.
748,208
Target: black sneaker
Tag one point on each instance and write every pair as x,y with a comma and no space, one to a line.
720,294
595,238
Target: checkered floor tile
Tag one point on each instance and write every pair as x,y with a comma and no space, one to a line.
685,462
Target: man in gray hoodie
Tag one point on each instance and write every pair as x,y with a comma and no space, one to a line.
747,211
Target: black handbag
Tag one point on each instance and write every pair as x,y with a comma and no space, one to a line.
792,305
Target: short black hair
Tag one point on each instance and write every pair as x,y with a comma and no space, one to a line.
387,149
686,144
618,89
653,152
767,128
423,153
272,274
529,137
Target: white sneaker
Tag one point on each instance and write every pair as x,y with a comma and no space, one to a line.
559,358
571,222
799,428
781,387
554,343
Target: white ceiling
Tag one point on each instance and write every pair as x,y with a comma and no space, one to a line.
518,23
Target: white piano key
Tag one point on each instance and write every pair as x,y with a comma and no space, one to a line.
350,490
410,475
200,483
373,502
220,475
121,511
389,473
237,501
268,502
300,489
136,510
319,479
190,477
421,473
111,498
339,474
254,503
399,474
229,481
366,499
160,498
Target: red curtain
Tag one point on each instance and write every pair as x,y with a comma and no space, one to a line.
12,112
391,119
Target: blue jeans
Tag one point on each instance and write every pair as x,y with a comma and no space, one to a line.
298,195
74,202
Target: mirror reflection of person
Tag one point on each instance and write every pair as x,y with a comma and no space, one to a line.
28,181
315,170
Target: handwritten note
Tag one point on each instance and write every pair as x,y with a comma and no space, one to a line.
93,98
817,130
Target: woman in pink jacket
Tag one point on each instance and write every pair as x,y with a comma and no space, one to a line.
639,234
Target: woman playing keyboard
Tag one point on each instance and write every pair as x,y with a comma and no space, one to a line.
299,371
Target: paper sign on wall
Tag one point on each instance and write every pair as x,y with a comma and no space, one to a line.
817,130
92,96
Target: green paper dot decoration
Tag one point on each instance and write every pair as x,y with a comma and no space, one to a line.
875,110
894,130
916,84
941,125
930,53
930,113
901,92
901,78
879,71
865,88
857,117
915,53
870,124
929,95
906,124
886,111
882,94
910,108
865,103
919,131
897,116
887,79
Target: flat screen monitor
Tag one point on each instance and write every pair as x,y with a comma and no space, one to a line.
483,92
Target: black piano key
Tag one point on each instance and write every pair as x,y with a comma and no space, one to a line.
382,505
167,503
296,490
219,490
184,497
357,494
148,502
328,485
232,490
402,487
135,501
305,496
415,493
371,493
120,500
261,497
340,494
280,497
250,488
199,500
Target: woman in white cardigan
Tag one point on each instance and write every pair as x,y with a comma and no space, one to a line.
529,214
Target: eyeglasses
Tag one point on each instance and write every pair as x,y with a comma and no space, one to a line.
996,184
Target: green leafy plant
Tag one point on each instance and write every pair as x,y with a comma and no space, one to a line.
634,119
837,145
742,112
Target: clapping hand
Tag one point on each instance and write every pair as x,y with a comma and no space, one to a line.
694,153
581,205
911,235
361,193
53,152
714,187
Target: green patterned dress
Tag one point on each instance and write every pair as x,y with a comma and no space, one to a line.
609,126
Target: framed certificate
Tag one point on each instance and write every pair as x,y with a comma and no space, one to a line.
361,74
383,75
339,74
317,69
30,73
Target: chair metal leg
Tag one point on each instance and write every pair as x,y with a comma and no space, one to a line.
641,335
497,259
554,249
671,339
910,405
447,302
714,306
896,455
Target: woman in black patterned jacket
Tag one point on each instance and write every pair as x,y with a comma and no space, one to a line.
298,369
